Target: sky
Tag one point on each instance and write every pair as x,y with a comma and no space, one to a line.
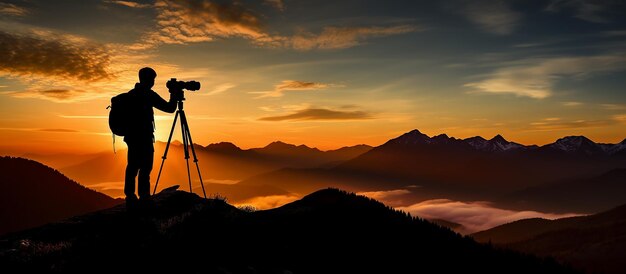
322,73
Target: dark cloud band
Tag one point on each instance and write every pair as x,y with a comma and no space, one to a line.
48,56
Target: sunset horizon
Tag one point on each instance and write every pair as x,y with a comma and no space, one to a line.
270,73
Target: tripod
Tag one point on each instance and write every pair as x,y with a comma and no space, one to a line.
187,143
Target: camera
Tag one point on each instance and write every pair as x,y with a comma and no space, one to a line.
175,85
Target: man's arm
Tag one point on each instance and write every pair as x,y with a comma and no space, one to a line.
161,104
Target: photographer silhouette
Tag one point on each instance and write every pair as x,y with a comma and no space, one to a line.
140,137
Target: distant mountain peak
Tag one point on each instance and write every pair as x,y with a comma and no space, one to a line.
411,138
574,138
476,138
282,147
572,144
223,146
498,138
279,145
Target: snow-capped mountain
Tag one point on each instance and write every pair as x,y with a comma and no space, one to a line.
496,144
579,145
585,146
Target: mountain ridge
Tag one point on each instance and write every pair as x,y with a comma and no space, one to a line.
594,243
185,233
33,194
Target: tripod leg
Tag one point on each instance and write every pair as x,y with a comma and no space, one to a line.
183,127
183,120
167,147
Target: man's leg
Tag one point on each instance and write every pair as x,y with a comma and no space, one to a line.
145,168
132,167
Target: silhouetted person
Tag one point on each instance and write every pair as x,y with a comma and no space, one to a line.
140,139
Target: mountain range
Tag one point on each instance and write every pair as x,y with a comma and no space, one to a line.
328,231
222,165
463,169
517,176
594,243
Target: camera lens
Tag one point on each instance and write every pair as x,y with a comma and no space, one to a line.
192,85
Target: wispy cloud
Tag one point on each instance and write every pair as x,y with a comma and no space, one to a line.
535,78
320,114
621,118
613,106
389,197
219,89
50,130
384,194
343,37
130,4
58,56
474,216
290,85
56,95
550,125
12,10
192,21
589,10
84,116
572,104
492,16
58,130
614,33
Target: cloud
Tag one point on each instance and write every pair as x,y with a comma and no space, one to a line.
320,114
614,33
613,106
188,21
535,78
130,4
192,21
589,10
474,216
84,116
389,197
492,16
56,95
267,202
620,118
12,10
572,104
343,37
549,125
278,4
290,85
58,130
218,89
385,194
59,56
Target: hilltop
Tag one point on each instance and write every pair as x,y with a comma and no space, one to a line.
328,231
33,194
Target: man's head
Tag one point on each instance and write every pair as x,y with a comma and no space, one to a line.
146,77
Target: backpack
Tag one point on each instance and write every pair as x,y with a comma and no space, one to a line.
120,115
